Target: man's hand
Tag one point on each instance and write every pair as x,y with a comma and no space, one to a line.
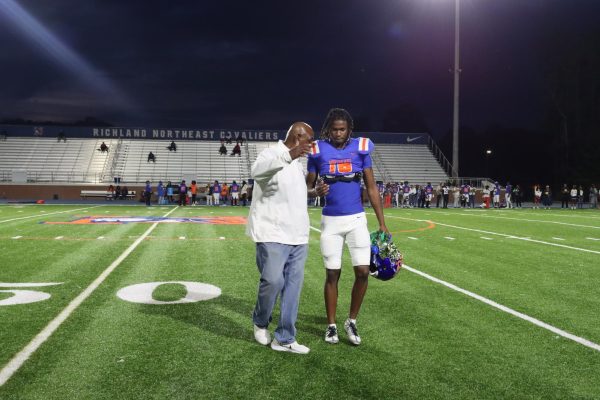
300,150
321,189
383,228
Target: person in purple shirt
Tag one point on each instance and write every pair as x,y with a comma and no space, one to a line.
216,193
508,195
342,162
428,194
234,189
182,193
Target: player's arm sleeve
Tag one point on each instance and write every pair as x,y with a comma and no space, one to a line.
268,163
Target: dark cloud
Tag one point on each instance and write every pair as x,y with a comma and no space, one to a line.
263,64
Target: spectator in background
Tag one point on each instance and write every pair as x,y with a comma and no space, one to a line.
224,193
547,197
169,192
464,195
103,148
183,189
235,193
216,193
237,150
118,192
124,193
172,147
455,196
486,196
160,191
61,136
471,196
438,194
244,194
151,157
209,194
564,197
148,193
428,195
580,197
518,196
194,193
574,197
496,194
537,196
110,193
446,194
508,195
593,196
222,149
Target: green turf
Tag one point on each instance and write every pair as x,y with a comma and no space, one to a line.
420,340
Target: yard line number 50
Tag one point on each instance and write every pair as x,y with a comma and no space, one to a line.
140,293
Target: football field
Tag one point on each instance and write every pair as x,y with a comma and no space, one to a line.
129,302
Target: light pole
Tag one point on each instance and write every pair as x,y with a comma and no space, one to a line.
456,88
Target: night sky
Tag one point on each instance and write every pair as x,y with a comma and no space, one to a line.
264,64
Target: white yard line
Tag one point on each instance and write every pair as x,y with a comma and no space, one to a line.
508,310
530,220
500,307
590,238
46,214
19,359
412,238
557,238
527,239
448,237
486,238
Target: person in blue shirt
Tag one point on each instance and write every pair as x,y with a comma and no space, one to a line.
234,189
341,162
216,193
183,189
428,194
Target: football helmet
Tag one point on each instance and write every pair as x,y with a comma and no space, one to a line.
386,259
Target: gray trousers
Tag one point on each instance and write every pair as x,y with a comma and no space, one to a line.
281,268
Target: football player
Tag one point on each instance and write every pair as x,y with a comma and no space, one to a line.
342,162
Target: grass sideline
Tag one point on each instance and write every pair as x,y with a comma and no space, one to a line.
421,340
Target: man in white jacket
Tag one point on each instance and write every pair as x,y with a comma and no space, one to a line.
279,225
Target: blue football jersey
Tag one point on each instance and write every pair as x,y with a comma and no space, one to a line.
342,170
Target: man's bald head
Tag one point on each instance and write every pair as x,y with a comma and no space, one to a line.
299,133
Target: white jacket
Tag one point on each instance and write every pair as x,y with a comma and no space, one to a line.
279,201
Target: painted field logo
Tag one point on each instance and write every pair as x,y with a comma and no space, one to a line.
128,220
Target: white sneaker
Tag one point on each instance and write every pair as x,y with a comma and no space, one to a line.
331,335
293,347
262,335
352,332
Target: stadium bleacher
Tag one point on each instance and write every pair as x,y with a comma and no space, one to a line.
78,160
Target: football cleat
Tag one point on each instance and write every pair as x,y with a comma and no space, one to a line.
331,335
352,332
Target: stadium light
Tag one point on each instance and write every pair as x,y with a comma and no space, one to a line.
488,152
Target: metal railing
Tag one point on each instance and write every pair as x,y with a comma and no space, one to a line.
439,155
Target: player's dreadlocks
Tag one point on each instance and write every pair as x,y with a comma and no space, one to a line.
336,114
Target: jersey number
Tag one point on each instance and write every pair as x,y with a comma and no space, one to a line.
342,168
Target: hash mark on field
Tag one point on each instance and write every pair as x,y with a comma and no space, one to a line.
448,237
222,238
557,238
412,238
592,238
486,238
58,237
181,237
100,237
17,237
